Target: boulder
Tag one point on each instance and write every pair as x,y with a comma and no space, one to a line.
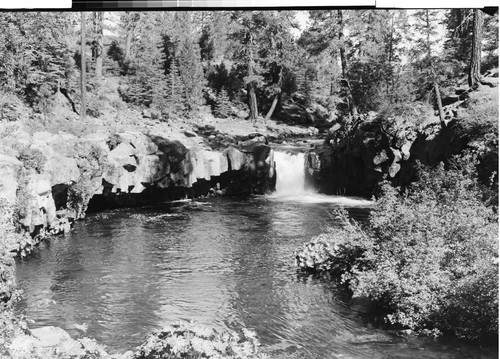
236,159
394,169
380,158
120,167
9,166
51,336
40,206
204,164
261,139
62,170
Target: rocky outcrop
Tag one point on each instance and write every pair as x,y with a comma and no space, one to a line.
9,167
355,165
62,174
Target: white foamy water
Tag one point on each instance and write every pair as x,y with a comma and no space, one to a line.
291,184
290,173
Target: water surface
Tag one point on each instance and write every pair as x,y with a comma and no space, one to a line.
225,263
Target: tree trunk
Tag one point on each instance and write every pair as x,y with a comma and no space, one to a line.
128,44
98,43
252,98
440,104
428,33
129,33
390,81
83,69
475,59
276,96
273,106
350,100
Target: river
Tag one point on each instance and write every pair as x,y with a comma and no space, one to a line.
224,262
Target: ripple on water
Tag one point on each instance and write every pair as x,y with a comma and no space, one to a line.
126,273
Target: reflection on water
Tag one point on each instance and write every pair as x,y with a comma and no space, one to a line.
226,263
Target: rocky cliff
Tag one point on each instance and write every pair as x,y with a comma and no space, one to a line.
52,179
355,160
357,165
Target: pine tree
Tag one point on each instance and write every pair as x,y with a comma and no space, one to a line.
374,55
458,42
222,105
189,62
490,48
146,80
35,58
327,46
249,29
175,91
279,53
130,25
214,42
425,61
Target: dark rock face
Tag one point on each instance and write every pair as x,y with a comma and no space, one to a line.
128,169
178,173
250,171
350,167
257,175
356,166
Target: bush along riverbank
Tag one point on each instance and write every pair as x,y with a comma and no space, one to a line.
428,257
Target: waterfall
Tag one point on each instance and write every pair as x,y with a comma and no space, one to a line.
290,173
290,183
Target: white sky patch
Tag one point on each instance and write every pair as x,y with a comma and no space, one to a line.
302,18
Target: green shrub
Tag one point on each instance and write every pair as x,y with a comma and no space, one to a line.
7,248
427,258
12,108
90,159
9,241
24,243
222,104
66,121
95,105
188,340
31,158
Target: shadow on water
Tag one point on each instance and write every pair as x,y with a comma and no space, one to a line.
225,263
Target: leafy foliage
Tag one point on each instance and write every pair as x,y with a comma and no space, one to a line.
189,61
32,158
145,71
36,59
189,340
426,255
90,163
222,104
9,295
115,59
263,62
175,97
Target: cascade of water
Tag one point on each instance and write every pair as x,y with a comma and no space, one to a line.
290,173
290,183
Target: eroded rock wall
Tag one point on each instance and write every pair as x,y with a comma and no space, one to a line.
356,166
61,174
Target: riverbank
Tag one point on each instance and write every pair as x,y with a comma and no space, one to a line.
226,263
54,176
54,166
